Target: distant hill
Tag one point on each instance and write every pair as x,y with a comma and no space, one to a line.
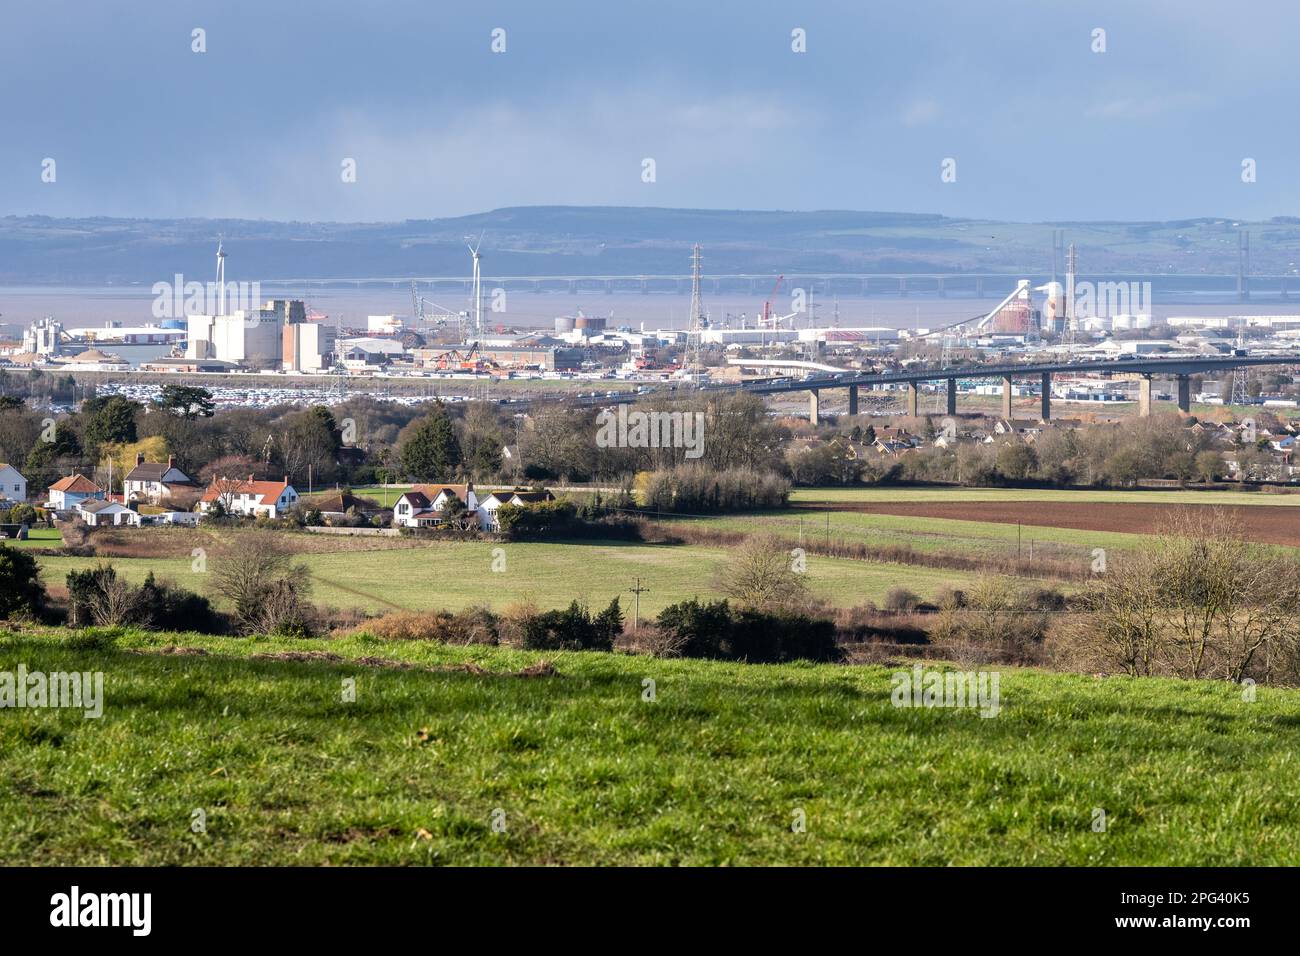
609,240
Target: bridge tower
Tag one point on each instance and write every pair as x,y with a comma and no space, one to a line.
1243,266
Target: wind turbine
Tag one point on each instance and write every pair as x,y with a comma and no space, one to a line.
221,278
478,289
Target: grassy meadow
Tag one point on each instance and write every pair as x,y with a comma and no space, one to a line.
455,575
576,767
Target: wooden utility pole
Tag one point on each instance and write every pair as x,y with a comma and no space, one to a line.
636,612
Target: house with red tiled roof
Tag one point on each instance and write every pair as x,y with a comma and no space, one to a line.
251,498
67,493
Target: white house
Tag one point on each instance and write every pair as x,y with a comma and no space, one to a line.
13,486
67,493
421,507
187,518
153,481
270,499
487,508
98,513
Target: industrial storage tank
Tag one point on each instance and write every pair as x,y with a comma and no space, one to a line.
563,324
589,324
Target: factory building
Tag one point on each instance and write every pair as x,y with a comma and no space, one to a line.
258,337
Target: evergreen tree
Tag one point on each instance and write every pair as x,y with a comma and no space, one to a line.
431,451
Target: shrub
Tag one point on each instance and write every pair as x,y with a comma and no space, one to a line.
573,629
166,606
21,591
717,630
471,626
901,599
700,490
22,514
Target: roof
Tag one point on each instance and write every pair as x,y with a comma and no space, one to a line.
97,505
336,501
75,483
460,491
151,471
266,492
417,498
531,496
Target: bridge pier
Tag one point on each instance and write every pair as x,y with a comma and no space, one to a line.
952,396
853,399
814,406
913,389
1047,396
902,287
1144,396
1184,393
1006,397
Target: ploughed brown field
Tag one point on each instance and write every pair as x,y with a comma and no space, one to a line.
1262,523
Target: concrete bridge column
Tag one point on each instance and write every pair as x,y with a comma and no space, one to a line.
1184,393
913,389
952,396
853,399
814,405
1144,396
1006,397
1047,396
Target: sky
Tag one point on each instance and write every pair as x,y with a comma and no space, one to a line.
1040,124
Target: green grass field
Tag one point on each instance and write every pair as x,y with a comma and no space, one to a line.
38,538
578,768
459,574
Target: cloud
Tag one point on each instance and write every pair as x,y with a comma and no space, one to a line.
921,112
1148,107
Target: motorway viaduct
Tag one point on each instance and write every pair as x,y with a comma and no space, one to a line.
1180,368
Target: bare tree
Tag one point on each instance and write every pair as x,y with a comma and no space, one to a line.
761,574
1199,601
255,573
115,603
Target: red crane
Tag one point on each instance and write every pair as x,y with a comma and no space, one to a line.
767,306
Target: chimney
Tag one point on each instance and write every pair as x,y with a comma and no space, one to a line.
286,479
171,462
250,477
139,458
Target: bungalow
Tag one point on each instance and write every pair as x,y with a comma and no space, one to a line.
153,481
186,518
251,498
67,493
98,513
421,507
13,486
487,509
